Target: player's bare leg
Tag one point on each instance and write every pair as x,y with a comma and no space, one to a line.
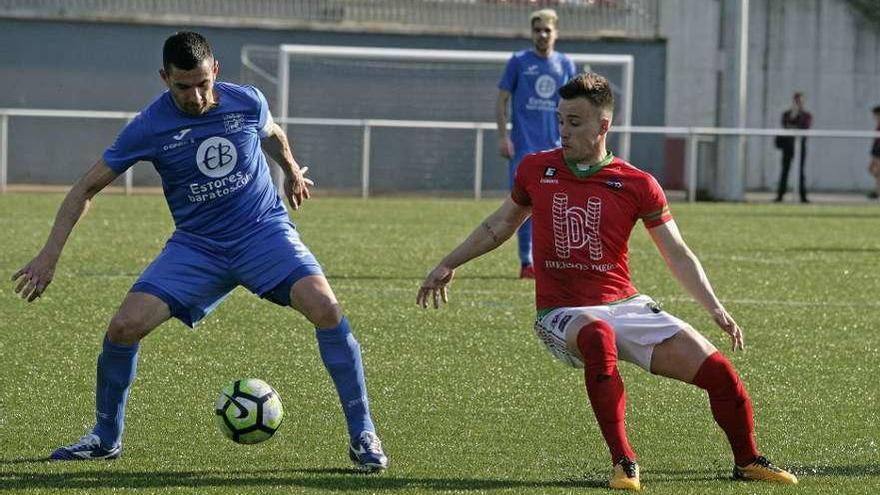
689,357
341,354
138,315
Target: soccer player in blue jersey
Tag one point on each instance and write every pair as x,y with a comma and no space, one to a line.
529,86
204,137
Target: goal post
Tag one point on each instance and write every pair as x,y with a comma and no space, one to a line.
372,93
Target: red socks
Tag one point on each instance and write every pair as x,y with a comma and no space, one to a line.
604,386
731,406
728,399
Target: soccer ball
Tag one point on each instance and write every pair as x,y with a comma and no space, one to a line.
249,411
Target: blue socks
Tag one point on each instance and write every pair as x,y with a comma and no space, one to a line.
117,365
340,351
341,354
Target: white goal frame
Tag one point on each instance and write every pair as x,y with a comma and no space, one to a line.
283,117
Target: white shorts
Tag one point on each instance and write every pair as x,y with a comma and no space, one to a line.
639,324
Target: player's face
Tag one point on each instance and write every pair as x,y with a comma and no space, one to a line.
544,35
193,90
582,129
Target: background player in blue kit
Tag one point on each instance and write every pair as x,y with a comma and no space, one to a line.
529,86
204,138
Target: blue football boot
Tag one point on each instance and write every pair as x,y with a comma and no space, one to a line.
366,453
86,449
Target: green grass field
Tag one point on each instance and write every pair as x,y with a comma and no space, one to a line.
465,398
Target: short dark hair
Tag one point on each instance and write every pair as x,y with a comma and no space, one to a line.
185,50
876,109
594,87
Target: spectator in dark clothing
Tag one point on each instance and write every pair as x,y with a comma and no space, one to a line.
794,118
874,166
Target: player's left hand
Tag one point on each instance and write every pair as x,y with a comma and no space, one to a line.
726,322
296,187
435,285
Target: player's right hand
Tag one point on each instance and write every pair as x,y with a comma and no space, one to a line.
296,187
728,324
34,277
435,286
505,147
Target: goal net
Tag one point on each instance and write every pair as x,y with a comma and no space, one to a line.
397,121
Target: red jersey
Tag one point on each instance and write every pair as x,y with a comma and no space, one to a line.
581,224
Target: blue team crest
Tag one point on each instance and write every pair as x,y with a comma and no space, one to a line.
233,122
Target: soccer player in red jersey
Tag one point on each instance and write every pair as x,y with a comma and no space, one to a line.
584,203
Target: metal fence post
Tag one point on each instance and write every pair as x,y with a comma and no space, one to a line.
478,165
4,151
365,162
691,168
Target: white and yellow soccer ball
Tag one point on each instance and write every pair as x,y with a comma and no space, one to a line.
248,411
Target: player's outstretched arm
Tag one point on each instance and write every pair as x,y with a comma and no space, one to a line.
277,147
35,276
686,268
491,233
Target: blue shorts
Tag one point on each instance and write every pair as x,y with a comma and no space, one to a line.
193,274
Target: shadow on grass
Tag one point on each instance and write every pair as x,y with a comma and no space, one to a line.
339,479
659,476
866,470
326,479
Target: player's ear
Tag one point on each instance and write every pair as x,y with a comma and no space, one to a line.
604,125
216,69
163,74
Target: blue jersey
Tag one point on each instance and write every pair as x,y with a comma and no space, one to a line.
533,82
214,174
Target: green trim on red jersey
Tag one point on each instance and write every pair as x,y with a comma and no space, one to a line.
656,215
583,174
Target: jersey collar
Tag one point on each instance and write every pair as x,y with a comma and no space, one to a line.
583,174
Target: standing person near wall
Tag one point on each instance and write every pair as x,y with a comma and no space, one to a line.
874,166
794,118
529,85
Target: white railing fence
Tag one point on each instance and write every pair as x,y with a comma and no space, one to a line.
693,137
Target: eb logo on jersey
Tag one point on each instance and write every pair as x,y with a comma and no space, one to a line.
550,172
216,157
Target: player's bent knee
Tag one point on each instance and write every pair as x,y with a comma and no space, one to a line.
725,377
680,356
596,335
597,344
125,330
324,314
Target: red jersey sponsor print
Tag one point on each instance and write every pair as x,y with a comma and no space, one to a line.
581,224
